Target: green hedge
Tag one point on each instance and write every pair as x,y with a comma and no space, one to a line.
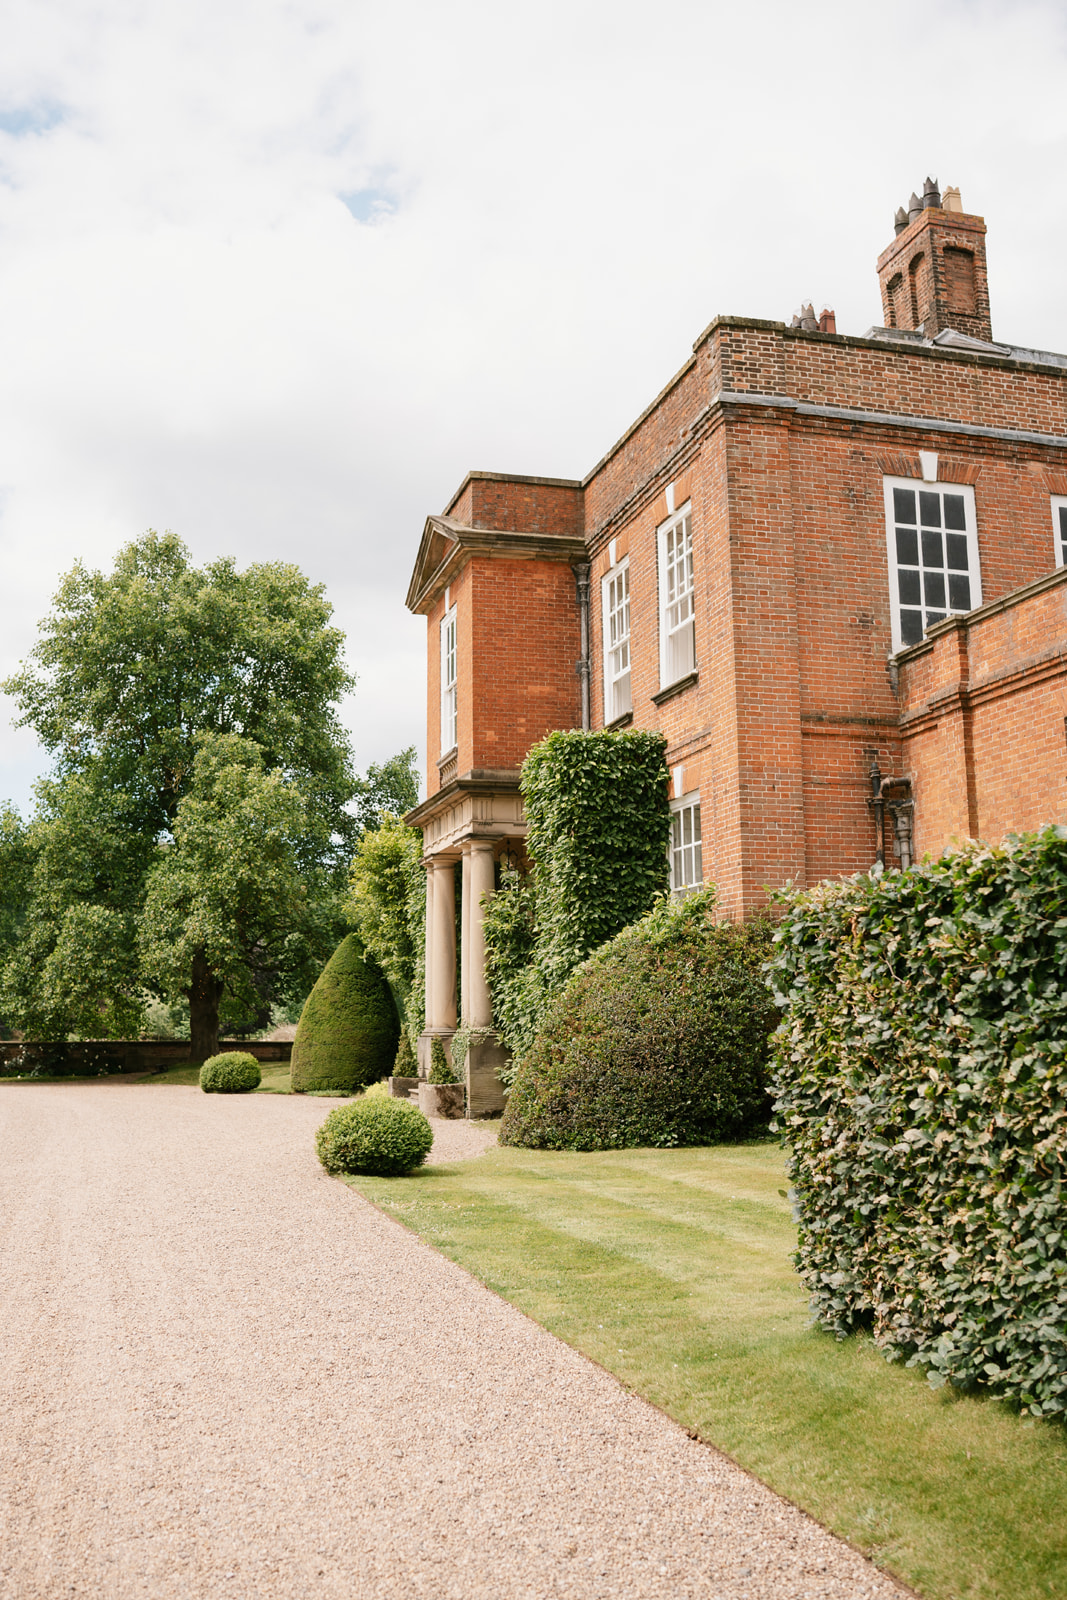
598,821
231,1072
348,1030
374,1134
921,1082
660,1038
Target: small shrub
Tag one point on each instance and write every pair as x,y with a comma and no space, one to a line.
441,1069
660,1038
405,1065
375,1135
231,1072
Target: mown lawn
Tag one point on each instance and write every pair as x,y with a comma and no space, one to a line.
672,1269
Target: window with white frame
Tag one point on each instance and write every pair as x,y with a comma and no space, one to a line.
933,555
448,682
615,596
677,625
1059,528
687,868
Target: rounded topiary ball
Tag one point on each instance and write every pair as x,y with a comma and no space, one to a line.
231,1072
661,1038
375,1134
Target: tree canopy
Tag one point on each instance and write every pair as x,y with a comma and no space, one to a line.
194,836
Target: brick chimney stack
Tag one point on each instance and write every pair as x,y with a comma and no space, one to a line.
933,275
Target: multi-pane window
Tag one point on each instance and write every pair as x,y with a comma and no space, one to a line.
677,627
448,682
616,601
1059,528
687,869
933,555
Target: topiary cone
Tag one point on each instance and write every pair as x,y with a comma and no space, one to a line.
348,1029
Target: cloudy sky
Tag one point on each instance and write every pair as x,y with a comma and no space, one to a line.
275,273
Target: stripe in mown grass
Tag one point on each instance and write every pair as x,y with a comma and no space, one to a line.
672,1269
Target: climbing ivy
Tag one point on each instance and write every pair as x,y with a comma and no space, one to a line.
921,1083
598,819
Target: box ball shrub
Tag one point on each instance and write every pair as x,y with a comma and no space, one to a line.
231,1072
376,1135
660,1038
348,1030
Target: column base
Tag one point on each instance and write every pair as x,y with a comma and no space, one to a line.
425,1045
485,1092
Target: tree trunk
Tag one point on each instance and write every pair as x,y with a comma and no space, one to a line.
204,995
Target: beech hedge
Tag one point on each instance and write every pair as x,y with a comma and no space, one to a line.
920,1077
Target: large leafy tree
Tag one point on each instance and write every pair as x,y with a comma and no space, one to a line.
175,700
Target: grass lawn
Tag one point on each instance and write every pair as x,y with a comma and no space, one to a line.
672,1269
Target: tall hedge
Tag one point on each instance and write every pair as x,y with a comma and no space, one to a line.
660,1038
348,1030
387,907
598,821
921,1083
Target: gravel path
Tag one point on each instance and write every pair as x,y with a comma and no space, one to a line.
224,1374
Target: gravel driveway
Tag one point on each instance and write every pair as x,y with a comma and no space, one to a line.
224,1374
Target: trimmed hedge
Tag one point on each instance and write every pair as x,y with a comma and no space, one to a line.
384,1136
660,1038
230,1072
348,1030
921,1082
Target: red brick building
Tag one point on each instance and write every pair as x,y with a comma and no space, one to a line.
812,556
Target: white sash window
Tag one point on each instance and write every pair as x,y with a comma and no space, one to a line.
1059,528
687,868
448,682
933,555
677,626
615,596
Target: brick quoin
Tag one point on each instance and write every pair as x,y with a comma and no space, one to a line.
780,438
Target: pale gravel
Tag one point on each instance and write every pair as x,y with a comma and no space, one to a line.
225,1374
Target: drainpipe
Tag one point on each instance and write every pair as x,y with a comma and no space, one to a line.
581,579
902,818
877,806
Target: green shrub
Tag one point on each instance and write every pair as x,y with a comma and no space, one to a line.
921,1082
231,1072
387,907
441,1069
348,1030
660,1038
404,1064
598,823
376,1134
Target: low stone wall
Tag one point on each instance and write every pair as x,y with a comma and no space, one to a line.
89,1058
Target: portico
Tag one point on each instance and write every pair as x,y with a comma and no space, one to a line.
467,827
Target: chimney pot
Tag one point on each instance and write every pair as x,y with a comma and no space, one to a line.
950,200
900,221
808,320
931,195
915,207
827,321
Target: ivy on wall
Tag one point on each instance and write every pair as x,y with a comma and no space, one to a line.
598,820
921,1083
387,906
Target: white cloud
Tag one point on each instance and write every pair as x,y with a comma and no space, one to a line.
276,275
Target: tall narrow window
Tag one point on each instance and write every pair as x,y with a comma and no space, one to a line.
1059,528
933,555
687,868
448,682
615,593
677,626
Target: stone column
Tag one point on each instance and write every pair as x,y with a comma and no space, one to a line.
443,948
479,884
466,913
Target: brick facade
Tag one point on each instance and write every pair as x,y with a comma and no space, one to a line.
780,439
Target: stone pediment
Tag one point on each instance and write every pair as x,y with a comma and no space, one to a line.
447,545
